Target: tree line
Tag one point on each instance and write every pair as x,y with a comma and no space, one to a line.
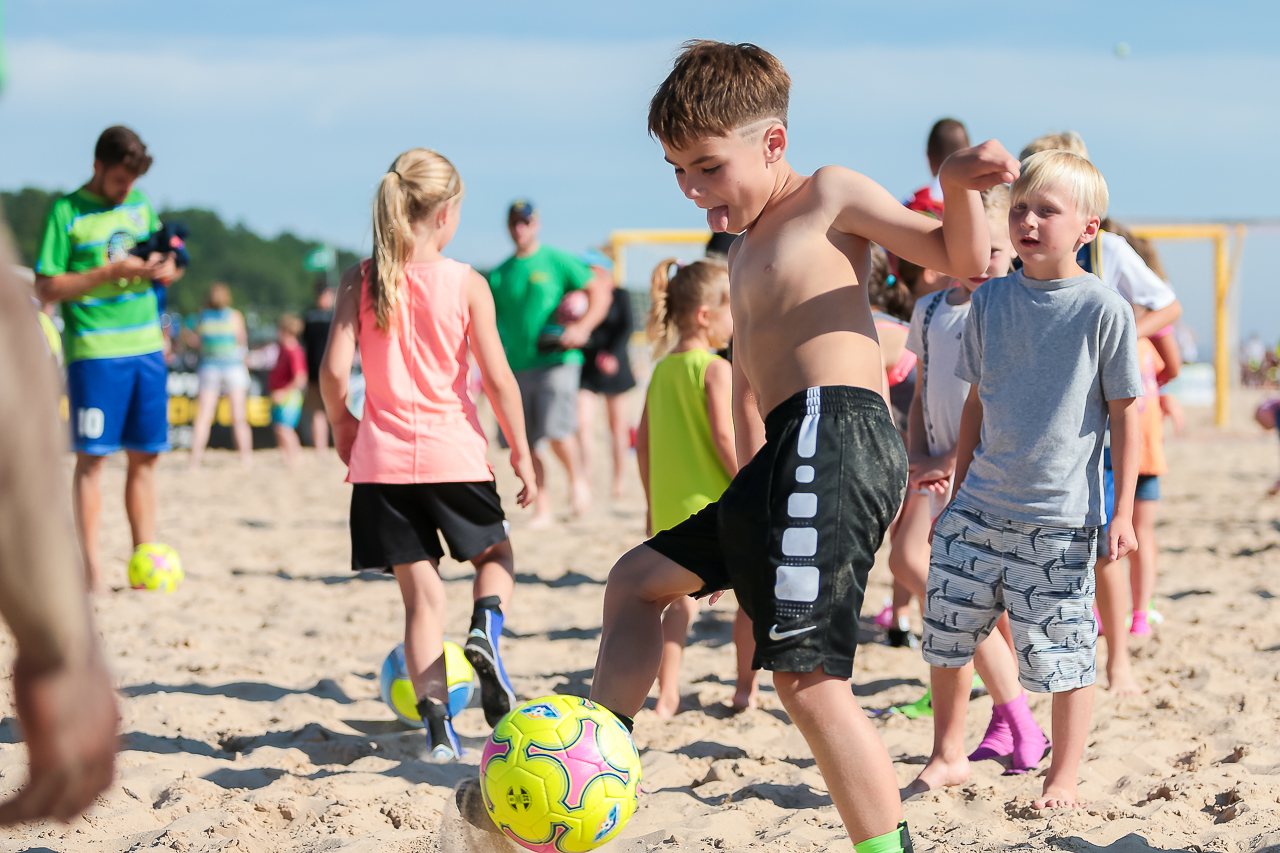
267,275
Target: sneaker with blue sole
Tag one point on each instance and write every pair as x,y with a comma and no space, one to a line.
497,697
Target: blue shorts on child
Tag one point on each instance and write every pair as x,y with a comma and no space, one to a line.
119,402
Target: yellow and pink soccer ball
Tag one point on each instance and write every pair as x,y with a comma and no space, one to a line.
156,566
560,775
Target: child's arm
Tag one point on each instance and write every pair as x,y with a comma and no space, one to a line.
718,382
1172,410
962,247
969,439
499,382
1125,440
335,368
917,439
927,471
642,460
748,427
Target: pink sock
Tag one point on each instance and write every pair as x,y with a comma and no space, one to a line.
1140,625
1030,745
998,741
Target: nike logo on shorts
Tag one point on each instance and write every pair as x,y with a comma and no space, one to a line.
776,635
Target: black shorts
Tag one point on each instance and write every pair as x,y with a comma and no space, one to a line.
397,523
797,531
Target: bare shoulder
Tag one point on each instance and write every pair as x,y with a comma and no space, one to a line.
719,370
842,185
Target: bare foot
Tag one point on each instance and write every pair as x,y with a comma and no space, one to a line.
743,700
938,774
1057,797
541,521
581,499
1120,680
1274,490
667,706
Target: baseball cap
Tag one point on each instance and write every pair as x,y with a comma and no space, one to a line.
521,209
593,257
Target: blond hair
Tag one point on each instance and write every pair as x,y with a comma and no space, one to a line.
995,201
1081,179
1068,140
289,324
417,184
676,298
219,296
716,89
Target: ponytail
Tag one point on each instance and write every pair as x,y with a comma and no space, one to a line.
677,292
417,184
659,328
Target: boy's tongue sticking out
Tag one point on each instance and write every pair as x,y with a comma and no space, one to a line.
718,218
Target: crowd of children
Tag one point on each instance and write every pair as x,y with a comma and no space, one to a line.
975,374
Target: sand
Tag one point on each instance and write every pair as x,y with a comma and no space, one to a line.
251,717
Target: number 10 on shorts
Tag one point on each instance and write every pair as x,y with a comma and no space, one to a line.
90,423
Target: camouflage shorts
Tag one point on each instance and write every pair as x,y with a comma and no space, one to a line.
982,564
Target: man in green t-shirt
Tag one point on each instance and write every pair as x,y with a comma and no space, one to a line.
528,288
116,374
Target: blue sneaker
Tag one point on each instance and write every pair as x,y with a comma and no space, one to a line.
497,698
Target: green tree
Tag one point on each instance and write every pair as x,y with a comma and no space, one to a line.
265,274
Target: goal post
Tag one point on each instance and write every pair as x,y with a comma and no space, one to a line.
1228,245
621,240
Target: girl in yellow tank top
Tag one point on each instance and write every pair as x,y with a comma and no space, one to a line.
685,443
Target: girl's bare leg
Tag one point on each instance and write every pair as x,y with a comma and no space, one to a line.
240,426
206,408
1142,562
1113,605
676,620
424,608
620,432
746,694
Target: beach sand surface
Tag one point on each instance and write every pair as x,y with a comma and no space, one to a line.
251,717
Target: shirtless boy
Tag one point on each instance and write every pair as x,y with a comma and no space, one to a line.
797,530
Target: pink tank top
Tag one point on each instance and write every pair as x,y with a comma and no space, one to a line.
420,424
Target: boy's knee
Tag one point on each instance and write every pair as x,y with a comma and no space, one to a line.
639,574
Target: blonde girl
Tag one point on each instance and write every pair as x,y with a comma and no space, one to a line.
685,444
417,458
220,334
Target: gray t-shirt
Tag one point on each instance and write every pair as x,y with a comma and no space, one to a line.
1046,356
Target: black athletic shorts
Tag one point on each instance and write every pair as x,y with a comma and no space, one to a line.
796,532
397,523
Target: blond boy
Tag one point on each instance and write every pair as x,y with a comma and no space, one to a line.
823,468
1051,354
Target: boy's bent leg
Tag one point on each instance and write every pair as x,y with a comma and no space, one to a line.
948,763
1072,711
676,620
640,587
852,759
86,488
140,496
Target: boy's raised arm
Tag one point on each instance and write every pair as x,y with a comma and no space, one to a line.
962,247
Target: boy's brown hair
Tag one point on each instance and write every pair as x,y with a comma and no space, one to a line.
715,89
121,146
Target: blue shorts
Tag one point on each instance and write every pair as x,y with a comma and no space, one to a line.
288,412
119,402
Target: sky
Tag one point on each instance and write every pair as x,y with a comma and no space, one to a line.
284,114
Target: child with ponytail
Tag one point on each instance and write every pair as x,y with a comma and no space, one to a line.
417,458
685,444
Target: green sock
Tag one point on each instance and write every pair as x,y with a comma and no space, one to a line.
895,841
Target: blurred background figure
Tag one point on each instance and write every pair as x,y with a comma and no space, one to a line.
223,342
606,372
315,336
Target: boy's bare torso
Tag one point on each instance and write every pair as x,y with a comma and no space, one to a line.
800,312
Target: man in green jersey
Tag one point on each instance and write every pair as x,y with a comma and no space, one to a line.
528,288
116,375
